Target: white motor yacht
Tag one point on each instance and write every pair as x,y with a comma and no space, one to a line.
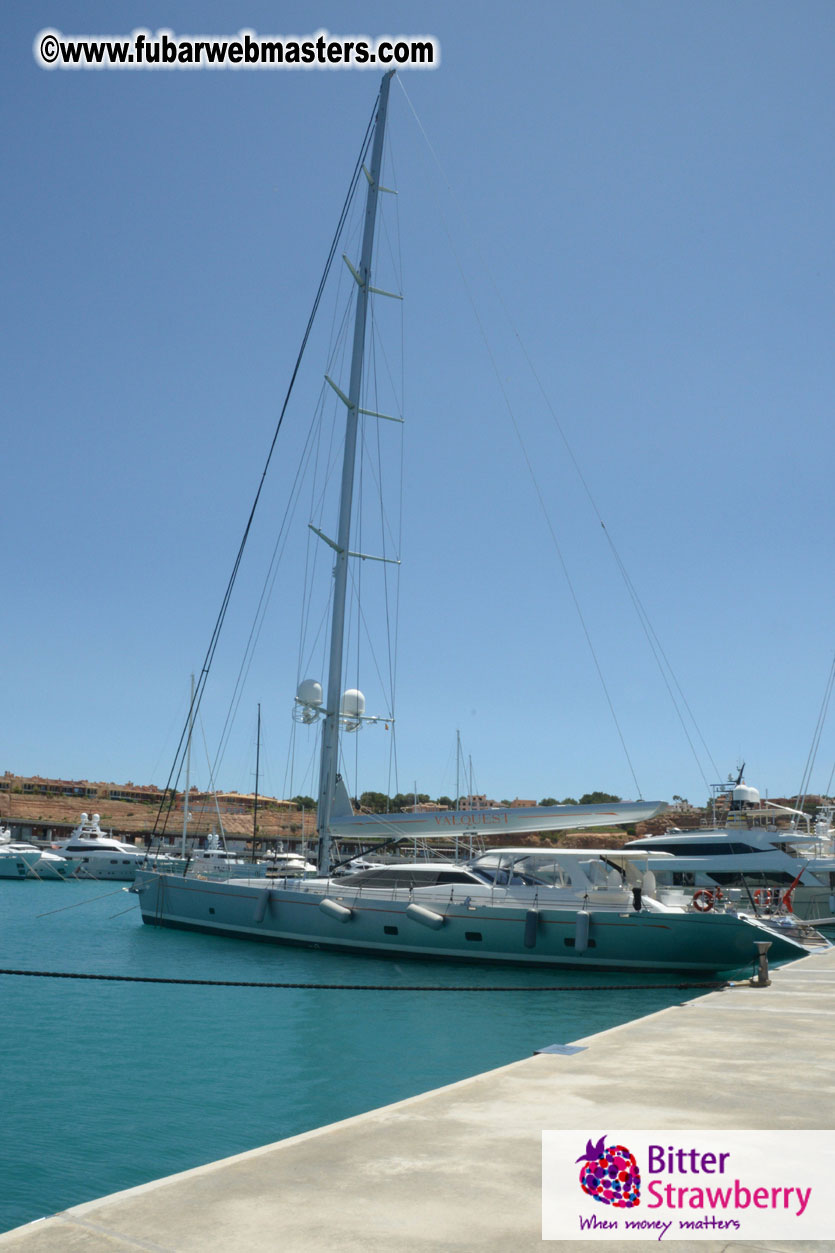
16,861
770,865
279,865
46,864
216,859
94,855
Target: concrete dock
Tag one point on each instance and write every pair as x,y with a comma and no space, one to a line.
459,1168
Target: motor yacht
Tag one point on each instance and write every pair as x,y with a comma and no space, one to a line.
46,864
93,854
768,863
16,861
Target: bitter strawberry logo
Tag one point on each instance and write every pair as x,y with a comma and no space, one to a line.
610,1175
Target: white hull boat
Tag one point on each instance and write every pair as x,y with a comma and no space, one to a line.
20,860
94,855
15,864
767,867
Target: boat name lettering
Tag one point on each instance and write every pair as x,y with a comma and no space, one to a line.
470,818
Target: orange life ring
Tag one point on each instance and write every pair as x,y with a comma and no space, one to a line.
762,896
703,900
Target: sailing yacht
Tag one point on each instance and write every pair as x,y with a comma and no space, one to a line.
595,914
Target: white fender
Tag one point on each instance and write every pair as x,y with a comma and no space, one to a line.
581,931
334,910
428,917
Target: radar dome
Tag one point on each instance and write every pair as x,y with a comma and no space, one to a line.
353,703
309,692
744,795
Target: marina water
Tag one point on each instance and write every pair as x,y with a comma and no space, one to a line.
109,1085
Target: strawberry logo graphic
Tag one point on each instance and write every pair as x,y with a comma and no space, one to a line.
610,1175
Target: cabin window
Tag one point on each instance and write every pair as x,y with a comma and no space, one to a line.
472,935
751,879
390,930
211,909
701,848
393,878
569,943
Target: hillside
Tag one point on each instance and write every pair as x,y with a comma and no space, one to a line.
137,819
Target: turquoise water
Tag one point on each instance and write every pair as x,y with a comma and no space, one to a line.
109,1085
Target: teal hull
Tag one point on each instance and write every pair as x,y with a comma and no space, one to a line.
458,929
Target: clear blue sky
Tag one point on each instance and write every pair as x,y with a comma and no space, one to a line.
651,186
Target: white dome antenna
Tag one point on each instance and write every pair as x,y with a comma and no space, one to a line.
353,709
308,701
309,692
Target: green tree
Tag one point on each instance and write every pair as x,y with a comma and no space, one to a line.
446,801
374,802
405,800
303,802
598,798
568,800
549,800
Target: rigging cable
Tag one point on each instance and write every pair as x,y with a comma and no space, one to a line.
656,648
534,480
210,652
816,738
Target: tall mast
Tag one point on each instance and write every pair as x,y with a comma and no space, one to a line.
330,726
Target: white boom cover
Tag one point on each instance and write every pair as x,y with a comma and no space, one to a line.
446,822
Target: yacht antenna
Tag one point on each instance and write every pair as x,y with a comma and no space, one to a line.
330,725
